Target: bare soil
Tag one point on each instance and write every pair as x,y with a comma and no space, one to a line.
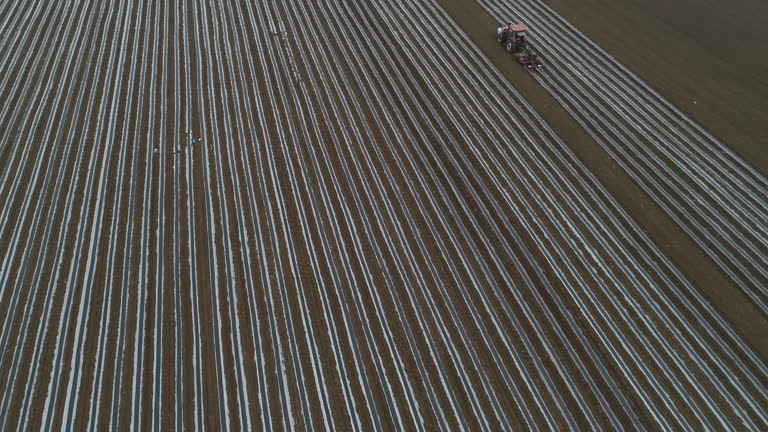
670,81
379,236
706,56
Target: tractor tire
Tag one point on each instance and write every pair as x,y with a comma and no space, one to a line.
510,47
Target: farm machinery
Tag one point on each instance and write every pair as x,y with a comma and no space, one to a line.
513,37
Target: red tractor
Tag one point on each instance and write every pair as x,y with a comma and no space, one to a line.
514,39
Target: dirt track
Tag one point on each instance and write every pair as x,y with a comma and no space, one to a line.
212,221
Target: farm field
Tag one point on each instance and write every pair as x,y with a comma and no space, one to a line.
328,215
641,167
698,54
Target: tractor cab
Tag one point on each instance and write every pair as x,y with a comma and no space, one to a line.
516,32
512,36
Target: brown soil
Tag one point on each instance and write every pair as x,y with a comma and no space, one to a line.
392,215
705,56
676,244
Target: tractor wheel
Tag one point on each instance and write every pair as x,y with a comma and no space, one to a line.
510,47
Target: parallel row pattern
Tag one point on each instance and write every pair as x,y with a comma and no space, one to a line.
240,215
717,198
